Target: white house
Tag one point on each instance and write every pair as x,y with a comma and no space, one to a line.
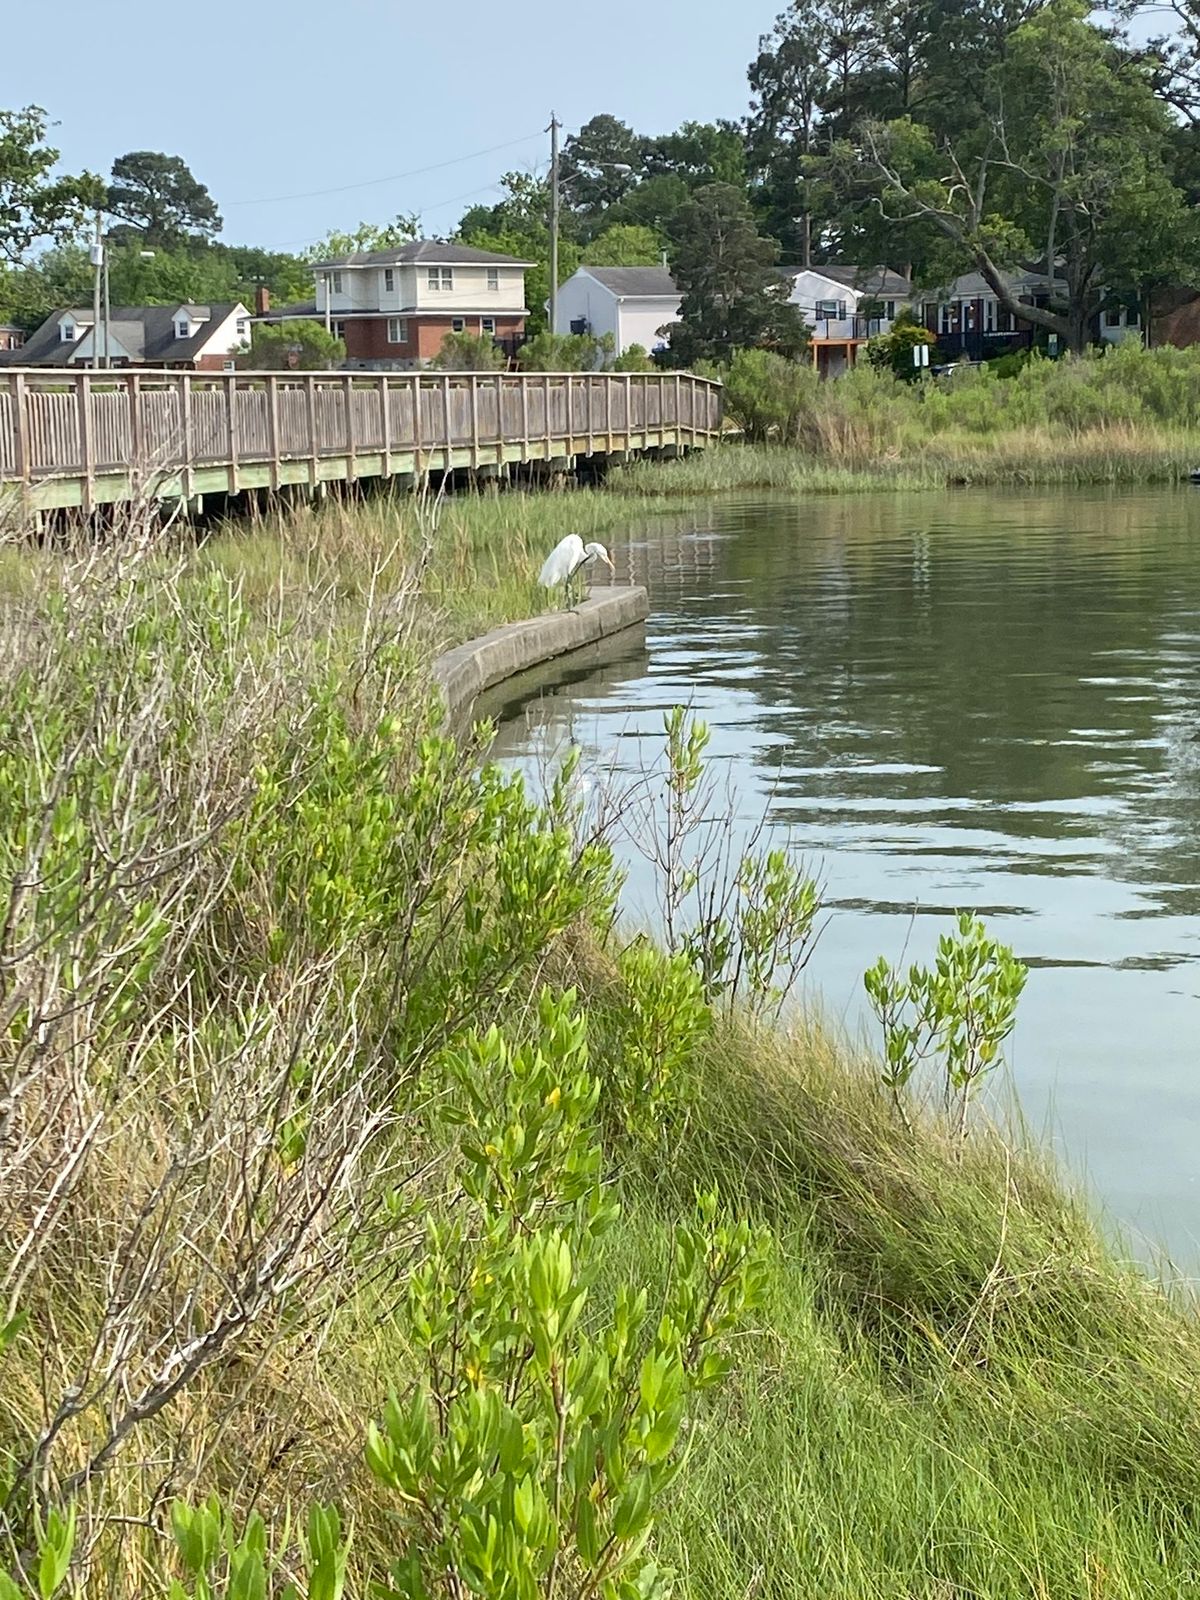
844,307
630,303
200,338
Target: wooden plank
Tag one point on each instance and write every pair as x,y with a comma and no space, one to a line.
447,422
416,394
523,380
348,402
185,401
20,399
474,420
314,443
385,417
273,428
231,429
87,448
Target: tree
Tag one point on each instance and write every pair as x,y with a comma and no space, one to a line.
893,351
34,205
469,352
300,345
733,295
626,245
159,200
565,352
698,152
367,236
590,163
1070,173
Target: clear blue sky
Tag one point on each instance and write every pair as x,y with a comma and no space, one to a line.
263,99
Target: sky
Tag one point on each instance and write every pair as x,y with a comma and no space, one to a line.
268,102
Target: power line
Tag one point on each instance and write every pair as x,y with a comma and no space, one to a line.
434,205
396,177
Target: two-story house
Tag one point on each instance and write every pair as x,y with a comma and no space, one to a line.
844,307
393,308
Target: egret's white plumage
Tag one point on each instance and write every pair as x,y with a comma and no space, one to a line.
569,557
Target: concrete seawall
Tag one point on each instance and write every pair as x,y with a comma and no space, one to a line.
464,673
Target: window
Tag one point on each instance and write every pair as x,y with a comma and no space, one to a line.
66,332
487,324
337,283
243,327
183,328
397,330
493,279
989,316
339,328
827,309
948,318
458,324
441,278
389,280
1112,317
889,310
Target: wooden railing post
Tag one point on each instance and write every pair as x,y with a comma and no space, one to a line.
628,408
447,422
231,430
314,439
348,393
523,380
474,382
385,416
678,418
87,445
187,477
549,425
418,465
273,427
20,402
137,436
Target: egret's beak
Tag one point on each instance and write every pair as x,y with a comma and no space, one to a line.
609,565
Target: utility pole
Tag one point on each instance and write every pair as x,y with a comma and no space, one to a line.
107,361
97,254
553,131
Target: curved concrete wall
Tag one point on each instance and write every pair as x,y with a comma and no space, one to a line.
462,674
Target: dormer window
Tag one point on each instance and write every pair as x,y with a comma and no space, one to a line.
183,327
66,331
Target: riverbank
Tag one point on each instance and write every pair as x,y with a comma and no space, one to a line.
262,920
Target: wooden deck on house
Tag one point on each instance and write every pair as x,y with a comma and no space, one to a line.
86,439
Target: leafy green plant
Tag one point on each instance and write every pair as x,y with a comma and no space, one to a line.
529,1457
958,1012
222,1562
469,352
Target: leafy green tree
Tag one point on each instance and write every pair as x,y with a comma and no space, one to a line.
469,352
367,236
592,162
733,295
634,358
565,352
34,204
1072,168
699,153
158,200
302,345
893,351
626,245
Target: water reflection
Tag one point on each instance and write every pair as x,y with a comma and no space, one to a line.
963,700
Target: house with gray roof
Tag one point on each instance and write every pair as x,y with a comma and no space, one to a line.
633,304
394,308
970,321
192,337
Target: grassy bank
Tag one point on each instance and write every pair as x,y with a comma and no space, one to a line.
1130,416
264,1165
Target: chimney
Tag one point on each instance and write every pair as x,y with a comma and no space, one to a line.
262,300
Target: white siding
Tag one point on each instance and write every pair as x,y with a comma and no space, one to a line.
471,292
629,321
640,320
224,340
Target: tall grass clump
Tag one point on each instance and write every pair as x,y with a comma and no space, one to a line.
379,1218
1125,416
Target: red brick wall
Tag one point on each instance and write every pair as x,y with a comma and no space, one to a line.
1177,324
367,340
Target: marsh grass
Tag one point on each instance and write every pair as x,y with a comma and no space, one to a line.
955,1388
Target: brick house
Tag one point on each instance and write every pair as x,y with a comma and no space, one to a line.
970,322
193,338
393,308
11,337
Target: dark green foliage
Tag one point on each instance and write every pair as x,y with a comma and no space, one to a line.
733,295
35,204
159,202
299,344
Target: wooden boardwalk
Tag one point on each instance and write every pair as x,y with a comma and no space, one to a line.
85,439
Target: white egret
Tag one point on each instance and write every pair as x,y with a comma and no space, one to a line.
570,556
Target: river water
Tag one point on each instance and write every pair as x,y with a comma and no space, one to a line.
986,701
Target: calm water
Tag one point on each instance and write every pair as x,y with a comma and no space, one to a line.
984,701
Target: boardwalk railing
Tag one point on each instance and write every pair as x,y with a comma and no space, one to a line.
80,438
